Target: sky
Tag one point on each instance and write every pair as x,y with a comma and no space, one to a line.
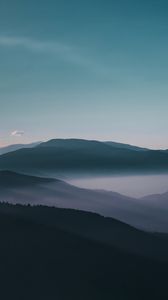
84,69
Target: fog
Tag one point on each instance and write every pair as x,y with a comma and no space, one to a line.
134,186
149,213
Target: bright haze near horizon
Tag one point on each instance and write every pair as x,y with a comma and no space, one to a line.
84,69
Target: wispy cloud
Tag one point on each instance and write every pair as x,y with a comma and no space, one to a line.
65,52
34,45
17,133
71,54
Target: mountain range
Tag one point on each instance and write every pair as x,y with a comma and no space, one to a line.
140,213
59,241
15,147
75,156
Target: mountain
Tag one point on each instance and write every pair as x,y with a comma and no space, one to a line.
10,179
85,144
42,254
74,157
94,227
125,146
15,147
24,189
157,200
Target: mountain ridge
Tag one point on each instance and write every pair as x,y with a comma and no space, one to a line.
25,189
81,156
43,258
15,147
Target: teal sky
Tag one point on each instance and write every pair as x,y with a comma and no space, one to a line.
85,69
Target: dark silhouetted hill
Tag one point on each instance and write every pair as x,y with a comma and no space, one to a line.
42,256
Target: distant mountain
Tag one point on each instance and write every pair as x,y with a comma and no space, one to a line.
10,179
24,189
75,145
87,144
61,254
157,200
15,147
74,156
125,146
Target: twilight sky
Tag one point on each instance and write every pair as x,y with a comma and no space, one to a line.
87,69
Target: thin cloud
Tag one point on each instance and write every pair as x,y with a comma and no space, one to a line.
65,52
17,133
32,44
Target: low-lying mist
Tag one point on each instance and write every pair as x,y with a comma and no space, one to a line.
131,185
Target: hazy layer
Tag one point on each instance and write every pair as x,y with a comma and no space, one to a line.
134,186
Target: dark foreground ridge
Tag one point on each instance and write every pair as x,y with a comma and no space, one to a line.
42,256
